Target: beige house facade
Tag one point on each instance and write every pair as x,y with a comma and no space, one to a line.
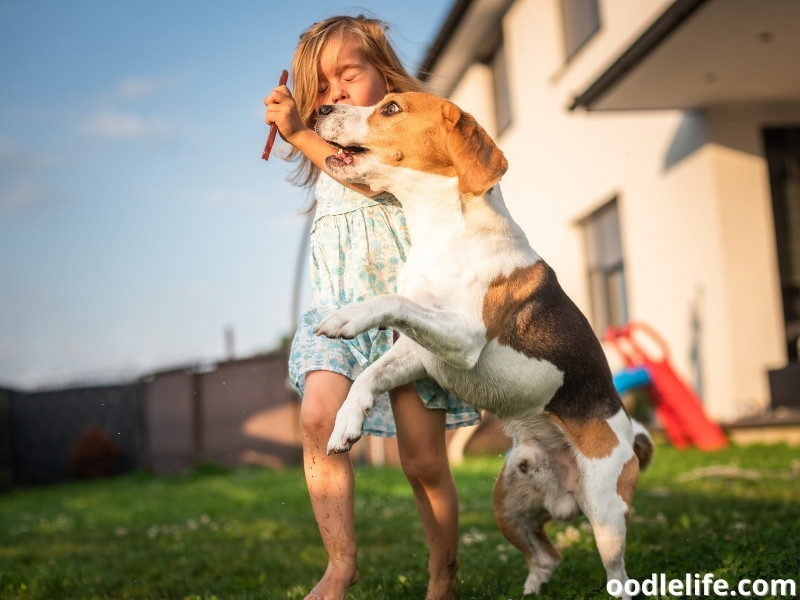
654,151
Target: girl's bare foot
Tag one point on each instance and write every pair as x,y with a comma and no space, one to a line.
441,590
339,576
442,586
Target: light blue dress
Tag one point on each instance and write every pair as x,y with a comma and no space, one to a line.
358,245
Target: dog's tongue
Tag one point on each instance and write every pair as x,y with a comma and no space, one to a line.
344,156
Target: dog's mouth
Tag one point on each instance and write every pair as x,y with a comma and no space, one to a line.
345,155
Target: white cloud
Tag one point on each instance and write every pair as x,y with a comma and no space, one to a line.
136,87
112,124
18,195
14,158
8,151
20,177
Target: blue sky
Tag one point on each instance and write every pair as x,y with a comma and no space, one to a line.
137,219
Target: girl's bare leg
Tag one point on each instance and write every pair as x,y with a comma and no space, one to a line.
423,454
330,483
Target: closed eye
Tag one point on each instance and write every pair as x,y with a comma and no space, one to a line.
350,73
392,108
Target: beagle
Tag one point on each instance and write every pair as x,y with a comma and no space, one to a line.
484,315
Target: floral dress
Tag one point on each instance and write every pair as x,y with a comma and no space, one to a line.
358,245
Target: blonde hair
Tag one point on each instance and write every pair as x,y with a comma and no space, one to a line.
370,36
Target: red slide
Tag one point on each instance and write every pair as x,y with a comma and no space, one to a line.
677,407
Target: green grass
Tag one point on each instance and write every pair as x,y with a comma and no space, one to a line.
249,533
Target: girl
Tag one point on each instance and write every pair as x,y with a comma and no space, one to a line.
358,244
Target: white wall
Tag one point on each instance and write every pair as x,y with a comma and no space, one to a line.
693,195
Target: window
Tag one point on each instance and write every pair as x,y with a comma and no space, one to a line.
783,158
581,22
607,288
502,100
492,53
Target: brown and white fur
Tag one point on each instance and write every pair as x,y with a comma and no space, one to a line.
484,315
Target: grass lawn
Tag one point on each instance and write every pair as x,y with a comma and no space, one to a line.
249,533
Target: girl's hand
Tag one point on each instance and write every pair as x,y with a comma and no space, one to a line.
282,110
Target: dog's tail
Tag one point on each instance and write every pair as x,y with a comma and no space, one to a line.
642,445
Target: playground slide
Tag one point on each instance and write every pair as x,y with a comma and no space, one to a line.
639,377
677,406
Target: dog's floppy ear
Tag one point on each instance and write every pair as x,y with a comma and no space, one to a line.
479,163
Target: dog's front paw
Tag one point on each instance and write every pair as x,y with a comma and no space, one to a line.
348,321
342,446
346,431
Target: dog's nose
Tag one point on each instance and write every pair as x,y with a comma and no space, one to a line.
325,109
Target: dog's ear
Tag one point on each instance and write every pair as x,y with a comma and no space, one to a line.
479,163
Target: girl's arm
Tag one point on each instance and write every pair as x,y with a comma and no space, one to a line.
282,111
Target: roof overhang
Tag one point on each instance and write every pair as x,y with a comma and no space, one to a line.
702,53
461,42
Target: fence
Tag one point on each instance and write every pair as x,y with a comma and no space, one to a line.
43,429
239,412
230,413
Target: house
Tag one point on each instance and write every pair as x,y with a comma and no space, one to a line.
654,150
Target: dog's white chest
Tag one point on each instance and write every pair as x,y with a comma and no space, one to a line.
503,381
452,269
431,283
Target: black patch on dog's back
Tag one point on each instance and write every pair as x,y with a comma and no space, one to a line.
530,312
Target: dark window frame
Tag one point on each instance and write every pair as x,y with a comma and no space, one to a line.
782,151
605,267
494,58
581,21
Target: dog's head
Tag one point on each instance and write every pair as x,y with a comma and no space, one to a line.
412,130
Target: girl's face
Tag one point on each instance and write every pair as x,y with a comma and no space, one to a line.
347,77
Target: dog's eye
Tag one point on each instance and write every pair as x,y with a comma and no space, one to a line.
391,109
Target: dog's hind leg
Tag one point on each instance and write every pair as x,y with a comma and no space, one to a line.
607,483
608,517
520,514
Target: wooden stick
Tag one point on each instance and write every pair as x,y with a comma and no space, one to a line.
273,129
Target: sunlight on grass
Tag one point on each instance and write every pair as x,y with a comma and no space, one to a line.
249,533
